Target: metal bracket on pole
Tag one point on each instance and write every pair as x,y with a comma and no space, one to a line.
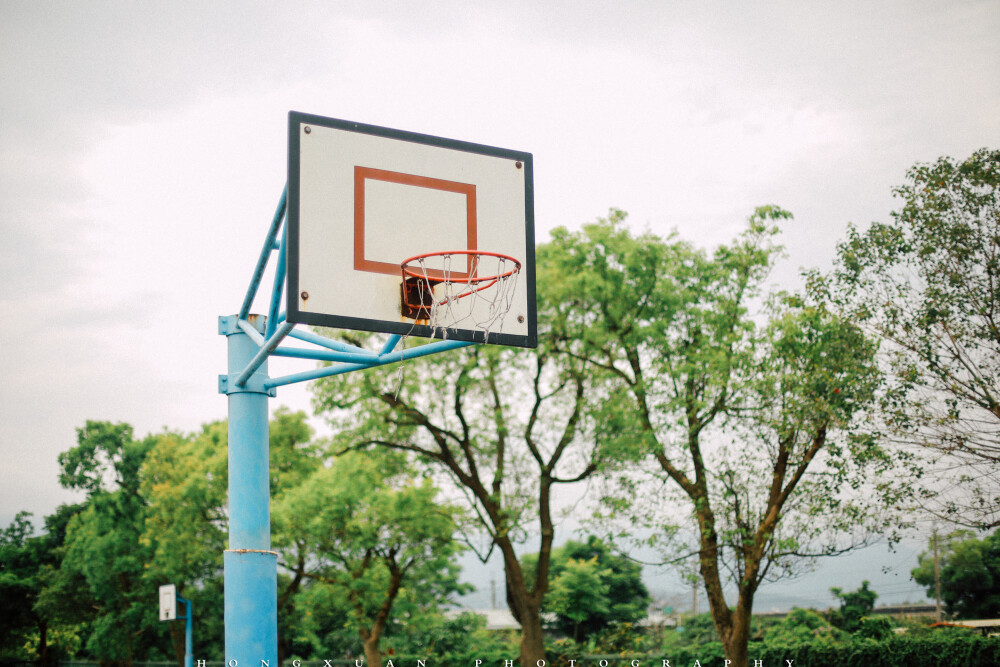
265,350
227,385
253,382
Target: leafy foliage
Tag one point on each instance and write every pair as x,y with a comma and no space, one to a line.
928,284
579,593
854,607
744,423
592,588
156,513
659,364
30,627
185,479
376,536
930,650
503,427
878,628
106,457
102,545
803,637
456,640
804,626
20,564
970,574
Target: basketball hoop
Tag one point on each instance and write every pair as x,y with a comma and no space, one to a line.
443,292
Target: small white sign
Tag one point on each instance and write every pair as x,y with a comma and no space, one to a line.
168,602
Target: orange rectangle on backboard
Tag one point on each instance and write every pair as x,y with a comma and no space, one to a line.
363,174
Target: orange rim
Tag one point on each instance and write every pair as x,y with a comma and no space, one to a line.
439,276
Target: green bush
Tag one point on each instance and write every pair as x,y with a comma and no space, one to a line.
875,627
456,641
803,626
930,650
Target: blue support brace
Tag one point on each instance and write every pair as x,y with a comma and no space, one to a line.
329,343
278,289
390,344
364,363
265,255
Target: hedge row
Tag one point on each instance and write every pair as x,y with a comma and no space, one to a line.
958,649
962,649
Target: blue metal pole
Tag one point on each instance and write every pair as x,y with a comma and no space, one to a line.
251,614
188,650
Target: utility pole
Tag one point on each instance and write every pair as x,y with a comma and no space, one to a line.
937,573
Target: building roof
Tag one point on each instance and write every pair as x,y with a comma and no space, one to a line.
496,619
982,623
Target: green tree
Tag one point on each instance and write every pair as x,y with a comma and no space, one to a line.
103,546
969,572
185,481
106,458
854,607
379,538
506,427
64,600
599,589
744,424
19,586
27,626
578,593
928,284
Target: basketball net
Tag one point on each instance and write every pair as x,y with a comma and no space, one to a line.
468,288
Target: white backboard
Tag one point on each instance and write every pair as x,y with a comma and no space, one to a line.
168,602
362,199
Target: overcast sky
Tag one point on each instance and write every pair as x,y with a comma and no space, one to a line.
143,148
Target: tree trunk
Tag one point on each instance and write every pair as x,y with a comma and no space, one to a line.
285,606
177,641
372,656
532,641
524,606
43,642
372,637
733,625
736,639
